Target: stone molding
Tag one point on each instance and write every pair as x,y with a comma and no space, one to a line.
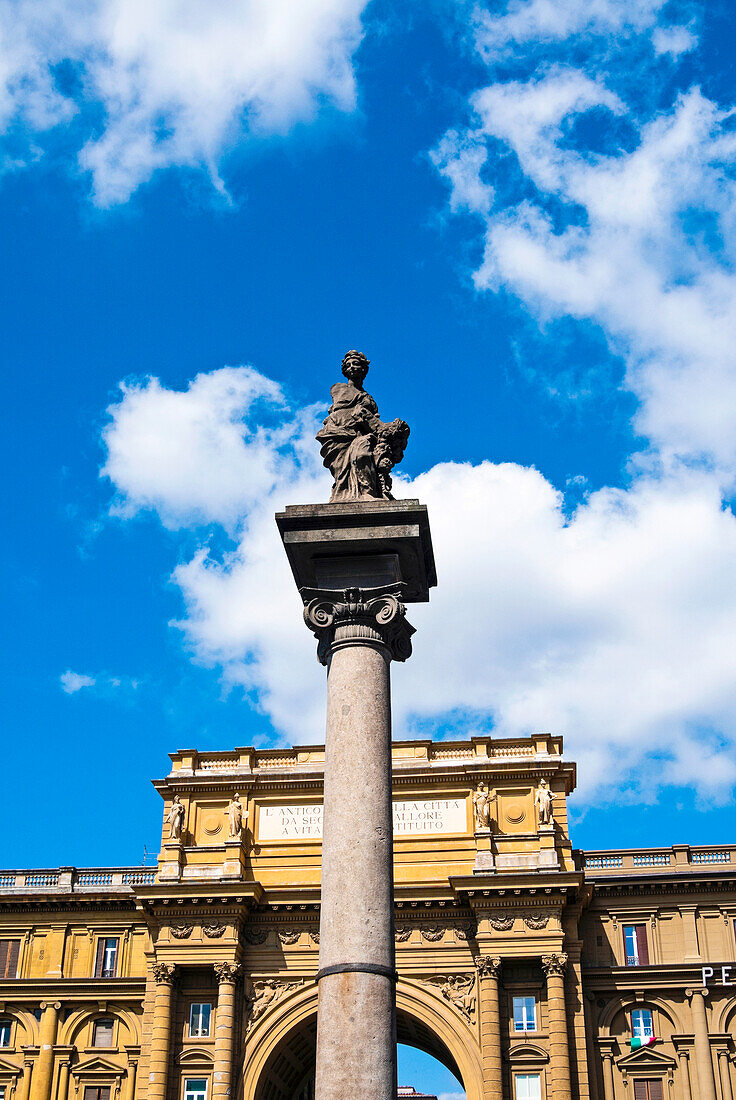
359,616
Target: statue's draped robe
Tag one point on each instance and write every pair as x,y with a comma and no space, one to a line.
347,441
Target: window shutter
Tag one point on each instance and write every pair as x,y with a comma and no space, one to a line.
4,950
641,944
100,960
12,964
641,1092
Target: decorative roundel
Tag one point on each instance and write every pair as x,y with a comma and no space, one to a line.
515,812
212,824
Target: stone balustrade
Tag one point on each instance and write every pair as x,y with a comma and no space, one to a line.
76,880
680,859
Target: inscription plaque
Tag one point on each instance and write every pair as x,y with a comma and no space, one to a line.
420,816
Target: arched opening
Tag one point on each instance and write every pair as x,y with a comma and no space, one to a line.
288,1073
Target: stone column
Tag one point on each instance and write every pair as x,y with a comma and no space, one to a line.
683,1058
489,973
24,1091
725,1074
609,1089
44,1069
559,1051
227,974
62,1092
130,1086
703,1060
161,1031
359,633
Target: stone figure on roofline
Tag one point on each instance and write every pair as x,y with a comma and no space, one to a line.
357,447
482,798
175,819
543,802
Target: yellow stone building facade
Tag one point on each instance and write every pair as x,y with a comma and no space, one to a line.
526,966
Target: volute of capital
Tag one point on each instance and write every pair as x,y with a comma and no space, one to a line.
357,616
488,966
226,971
163,973
699,992
554,965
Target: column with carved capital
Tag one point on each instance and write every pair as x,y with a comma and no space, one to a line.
62,1091
44,1069
489,974
703,1059
559,1051
359,635
163,974
356,564
227,973
724,1069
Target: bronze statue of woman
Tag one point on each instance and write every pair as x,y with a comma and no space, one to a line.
357,447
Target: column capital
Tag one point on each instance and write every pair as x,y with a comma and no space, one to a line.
226,971
163,973
554,965
488,966
359,616
703,992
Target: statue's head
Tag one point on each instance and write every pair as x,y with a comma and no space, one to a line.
542,783
355,366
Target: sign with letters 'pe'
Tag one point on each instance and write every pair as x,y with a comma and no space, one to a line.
420,816
719,975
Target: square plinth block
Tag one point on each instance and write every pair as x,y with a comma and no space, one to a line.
363,544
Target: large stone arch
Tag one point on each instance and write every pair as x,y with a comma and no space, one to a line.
280,1048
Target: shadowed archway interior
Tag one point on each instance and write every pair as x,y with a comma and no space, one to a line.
289,1072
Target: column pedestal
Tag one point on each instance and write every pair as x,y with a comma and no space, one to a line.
227,974
559,1051
171,859
489,974
161,1031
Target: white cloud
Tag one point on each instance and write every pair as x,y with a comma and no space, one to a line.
171,83
535,22
75,681
675,40
451,1096
615,628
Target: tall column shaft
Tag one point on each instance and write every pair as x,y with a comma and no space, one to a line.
62,1093
609,1090
559,1051
161,1032
224,1029
684,1075
130,1085
489,973
725,1075
703,1060
44,1070
356,1029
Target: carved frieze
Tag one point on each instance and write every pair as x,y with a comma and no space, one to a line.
432,933
459,990
213,930
501,922
181,931
289,936
402,934
536,921
255,936
263,995
314,935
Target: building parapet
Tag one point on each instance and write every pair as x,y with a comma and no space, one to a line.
680,859
76,880
475,750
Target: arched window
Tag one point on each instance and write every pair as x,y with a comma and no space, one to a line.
6,1027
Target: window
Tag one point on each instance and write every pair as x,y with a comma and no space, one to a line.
525,1014
97,1092
528,1086
107,956
5,1029
102,1033
635,942
199,1021
195,1090
9,952
642,1026
647,1089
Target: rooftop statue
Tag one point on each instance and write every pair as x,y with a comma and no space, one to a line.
357,447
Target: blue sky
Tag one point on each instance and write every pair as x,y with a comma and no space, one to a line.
524,216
